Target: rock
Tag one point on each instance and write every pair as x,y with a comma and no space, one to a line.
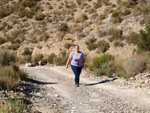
132,78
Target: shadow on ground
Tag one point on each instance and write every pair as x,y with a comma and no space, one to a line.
29,87
101,82
38,82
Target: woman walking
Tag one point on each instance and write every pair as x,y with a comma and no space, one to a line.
77,63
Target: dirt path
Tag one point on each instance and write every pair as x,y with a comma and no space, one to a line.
58,94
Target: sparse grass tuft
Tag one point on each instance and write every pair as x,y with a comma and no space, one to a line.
10,77
63,27
117,15
115,34
51,58
27,52
2,40
39,16
135,65
7,58
102,46
67,45
91,45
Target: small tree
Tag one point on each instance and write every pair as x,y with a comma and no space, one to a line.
144,39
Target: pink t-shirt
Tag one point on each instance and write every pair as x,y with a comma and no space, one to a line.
76,60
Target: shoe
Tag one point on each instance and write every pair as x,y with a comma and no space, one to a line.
77,85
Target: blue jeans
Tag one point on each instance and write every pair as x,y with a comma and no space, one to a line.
77,71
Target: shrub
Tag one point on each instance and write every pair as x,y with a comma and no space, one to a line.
144,39
115,34
98,4
118,43
7,58
13,46
131,3
135,65
67,45
62,59
29,3
27,52
146,10
126,12
34,41
2,40
137,10
103,65
90,40
117,16
133,38
97,61
63,27
29,13
16,105
10,77
91,45
120,72
83,17
92,10
102,16
39,16
102,46
51,57
38,58
5,11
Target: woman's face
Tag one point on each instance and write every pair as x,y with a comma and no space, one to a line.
77,48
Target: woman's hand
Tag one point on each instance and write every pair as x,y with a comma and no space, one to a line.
66,66
68,62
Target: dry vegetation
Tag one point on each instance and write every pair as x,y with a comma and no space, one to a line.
42,30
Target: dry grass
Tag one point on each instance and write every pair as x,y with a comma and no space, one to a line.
135,65
10,77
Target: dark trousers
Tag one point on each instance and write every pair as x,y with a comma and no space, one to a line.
77,71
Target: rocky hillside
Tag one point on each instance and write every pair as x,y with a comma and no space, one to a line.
53,26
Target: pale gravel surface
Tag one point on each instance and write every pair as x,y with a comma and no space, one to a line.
59,95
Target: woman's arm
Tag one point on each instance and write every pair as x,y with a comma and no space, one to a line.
68,61
83,61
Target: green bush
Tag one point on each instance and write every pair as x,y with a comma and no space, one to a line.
38,58
63,27
51,58
133,38
144,39
146,10
91,43
115,34
62,59
117,15
7,58
27,52
126,12
2,40
102,16
98,4
5,11
39,16
67,45
13,46
98,61
15,105
29,3
118,43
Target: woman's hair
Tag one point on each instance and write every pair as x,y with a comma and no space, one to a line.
76,45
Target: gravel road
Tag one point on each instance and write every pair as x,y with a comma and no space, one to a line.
58,94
